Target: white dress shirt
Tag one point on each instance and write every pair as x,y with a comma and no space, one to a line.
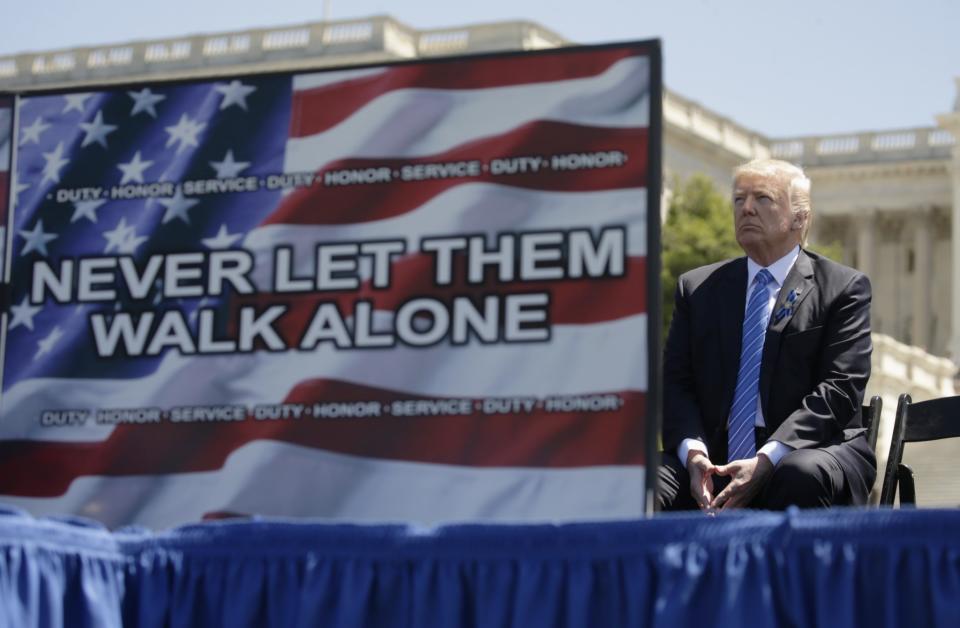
774,450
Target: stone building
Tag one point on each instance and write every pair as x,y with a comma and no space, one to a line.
891,197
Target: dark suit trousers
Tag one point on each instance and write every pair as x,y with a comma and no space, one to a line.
836,475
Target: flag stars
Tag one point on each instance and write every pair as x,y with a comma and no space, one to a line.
223,240
76,102
46,345
23,314
123,238
133,170
145,101
228,168
86,209
55,161
37,239
17,188
184,133
131,243
32,133
96,131
177,207
235,93
118,235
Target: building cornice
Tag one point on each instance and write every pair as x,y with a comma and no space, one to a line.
896,145
879,170
700,122
311,44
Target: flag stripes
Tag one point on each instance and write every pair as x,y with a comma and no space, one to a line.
492,147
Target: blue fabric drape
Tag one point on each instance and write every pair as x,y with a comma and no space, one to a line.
843,567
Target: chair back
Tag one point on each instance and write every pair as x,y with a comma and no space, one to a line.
871,420
914,423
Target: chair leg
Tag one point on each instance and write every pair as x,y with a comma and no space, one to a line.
908,493
895,457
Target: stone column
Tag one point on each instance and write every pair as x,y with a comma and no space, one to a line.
955,254
866,228
951,122
922,256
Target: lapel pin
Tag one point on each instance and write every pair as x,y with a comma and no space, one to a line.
786,306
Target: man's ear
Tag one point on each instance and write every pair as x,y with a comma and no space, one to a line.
798,220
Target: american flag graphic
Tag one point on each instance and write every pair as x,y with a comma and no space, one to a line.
6,126
547,430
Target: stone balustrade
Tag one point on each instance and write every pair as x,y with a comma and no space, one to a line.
694,118
899,368
310,44
869,147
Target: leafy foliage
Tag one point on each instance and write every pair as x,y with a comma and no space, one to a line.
698,231
833,250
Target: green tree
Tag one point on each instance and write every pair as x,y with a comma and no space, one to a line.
698,231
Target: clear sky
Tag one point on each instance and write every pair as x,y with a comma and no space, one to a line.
781,68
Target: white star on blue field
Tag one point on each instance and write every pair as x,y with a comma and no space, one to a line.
100,173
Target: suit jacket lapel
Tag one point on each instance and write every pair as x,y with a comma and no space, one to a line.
796,287
734,302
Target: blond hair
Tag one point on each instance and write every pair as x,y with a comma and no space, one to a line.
798,186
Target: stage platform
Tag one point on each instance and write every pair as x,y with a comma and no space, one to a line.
840,568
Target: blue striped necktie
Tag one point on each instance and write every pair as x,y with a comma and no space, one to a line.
740,437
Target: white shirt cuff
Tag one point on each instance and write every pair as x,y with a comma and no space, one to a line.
775,451
688,444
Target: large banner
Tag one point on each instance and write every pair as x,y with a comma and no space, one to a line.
413,292
6,130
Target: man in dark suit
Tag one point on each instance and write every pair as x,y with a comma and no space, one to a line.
765,365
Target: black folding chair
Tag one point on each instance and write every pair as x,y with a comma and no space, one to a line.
916,422
871,420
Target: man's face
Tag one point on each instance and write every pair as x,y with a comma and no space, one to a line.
766,227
